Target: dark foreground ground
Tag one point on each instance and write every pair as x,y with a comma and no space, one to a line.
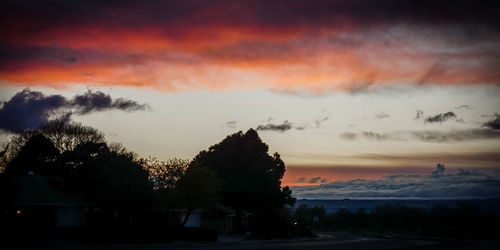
324,241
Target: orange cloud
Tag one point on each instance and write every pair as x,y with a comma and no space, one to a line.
322,46
294,174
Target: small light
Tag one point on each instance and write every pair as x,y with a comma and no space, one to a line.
19,212
295,223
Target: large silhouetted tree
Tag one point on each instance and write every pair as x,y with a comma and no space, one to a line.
110,179
249,178
83,165
37,155
65,136
122,182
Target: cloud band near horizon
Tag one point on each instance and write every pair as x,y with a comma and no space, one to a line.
316,46
463,184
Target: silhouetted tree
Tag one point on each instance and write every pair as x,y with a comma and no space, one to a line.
64,135
249,178
196,189
164,174
86,168
122,182
164,177
3,153
109,178
37,155
177,186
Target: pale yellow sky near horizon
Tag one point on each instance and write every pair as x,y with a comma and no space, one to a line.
181,124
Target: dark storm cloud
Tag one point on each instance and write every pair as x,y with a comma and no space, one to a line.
262,13
276,127
464,184
99,101
178,19
12,55
494,123
29,109
440,117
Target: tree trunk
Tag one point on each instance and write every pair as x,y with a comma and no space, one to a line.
188,213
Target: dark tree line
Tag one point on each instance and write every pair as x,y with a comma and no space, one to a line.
238,173
466,220
88,170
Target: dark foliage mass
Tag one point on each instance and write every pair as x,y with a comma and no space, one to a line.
90,171
464,221
249,178
72,163
112,185
37,155
131,199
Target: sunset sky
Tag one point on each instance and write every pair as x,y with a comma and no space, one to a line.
378,90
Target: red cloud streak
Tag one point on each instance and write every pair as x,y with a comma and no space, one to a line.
315,46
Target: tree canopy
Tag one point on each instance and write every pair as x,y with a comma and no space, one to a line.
37,155
79,162
65,136
248,176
